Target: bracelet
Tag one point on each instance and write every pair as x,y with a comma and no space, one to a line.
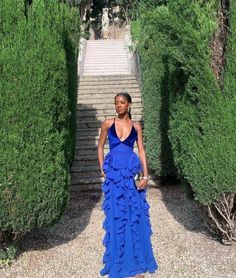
145,178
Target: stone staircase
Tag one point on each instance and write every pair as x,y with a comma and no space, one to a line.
95,103
106,57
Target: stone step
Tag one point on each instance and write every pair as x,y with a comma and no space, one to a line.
110,66
87,157
84,135
85,152
105,112
104,106
92,124
105,41
104,70
93,131
81,146
105,97
104,78
105,51
97,43
91,180
120,58
92,151
108,47
92,141
93,146
106,91
76,176
86,174
98,99
87,163
97,187
94,80
108,60
84,169
111,86
98,73
106,44
100,118
106,54
105,60
98,64
106,82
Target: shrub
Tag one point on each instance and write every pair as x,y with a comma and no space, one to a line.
194,108
34,112
155,94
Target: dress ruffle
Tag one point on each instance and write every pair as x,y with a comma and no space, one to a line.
120,173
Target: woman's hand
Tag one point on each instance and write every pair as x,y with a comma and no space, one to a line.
143,184
103,174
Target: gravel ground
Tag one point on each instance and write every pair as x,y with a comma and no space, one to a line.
73,248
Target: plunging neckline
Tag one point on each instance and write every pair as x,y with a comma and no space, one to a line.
127,136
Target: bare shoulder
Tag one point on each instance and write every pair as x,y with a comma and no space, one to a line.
137,125
107,123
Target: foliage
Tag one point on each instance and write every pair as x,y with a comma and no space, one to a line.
7,255
34,112
135,29
71,40
155,93
73,3
129,9
194,115
150,4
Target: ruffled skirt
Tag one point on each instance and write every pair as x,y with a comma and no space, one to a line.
127,226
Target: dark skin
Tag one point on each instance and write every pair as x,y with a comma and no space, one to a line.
123,128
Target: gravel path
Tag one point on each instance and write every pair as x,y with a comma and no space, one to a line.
73,248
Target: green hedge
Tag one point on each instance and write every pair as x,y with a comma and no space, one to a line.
34,112
155,93
187,111
71,42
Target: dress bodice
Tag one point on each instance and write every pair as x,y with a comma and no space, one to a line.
115,141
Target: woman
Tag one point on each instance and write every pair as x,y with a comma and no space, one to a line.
127,224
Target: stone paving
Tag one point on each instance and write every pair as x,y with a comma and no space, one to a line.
73,247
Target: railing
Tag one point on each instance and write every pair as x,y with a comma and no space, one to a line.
133,56
81,56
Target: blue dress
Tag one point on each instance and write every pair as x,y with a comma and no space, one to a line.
128,249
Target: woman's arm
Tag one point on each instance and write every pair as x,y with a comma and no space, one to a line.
101,142
142,155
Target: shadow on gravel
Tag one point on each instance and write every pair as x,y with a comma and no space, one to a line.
82,202
73,222
183,208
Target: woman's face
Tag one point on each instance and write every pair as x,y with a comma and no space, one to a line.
121,105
